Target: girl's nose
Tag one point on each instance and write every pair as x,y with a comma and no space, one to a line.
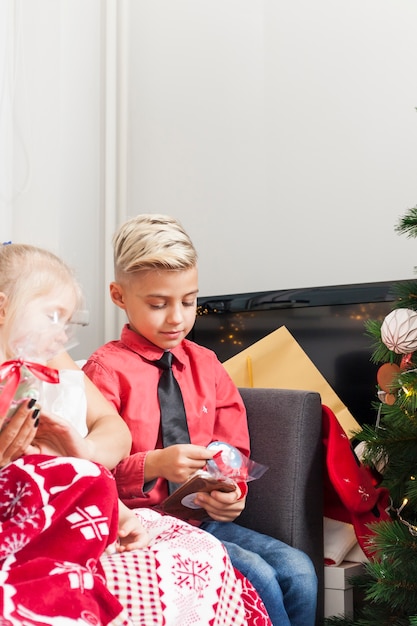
62,336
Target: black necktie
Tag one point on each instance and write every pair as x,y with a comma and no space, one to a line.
173,420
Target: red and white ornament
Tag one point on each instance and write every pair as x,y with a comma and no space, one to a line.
399,331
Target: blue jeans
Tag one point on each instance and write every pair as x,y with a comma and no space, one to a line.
283,576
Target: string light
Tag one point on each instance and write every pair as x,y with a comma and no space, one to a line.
405,501
412,529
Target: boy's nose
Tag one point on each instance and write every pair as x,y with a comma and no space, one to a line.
175,314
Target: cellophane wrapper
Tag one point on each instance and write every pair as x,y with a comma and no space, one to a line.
230,463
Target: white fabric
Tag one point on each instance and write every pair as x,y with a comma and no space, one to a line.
339,539
356,555
67,399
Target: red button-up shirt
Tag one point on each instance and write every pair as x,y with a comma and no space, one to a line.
214,408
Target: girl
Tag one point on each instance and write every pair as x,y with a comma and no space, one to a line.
59,510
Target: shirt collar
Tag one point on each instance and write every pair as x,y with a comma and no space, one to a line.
149,351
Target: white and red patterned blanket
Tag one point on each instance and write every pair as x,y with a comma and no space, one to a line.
57,517
184,578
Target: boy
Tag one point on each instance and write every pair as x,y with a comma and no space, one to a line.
156,284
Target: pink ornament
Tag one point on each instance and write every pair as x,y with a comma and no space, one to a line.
399,331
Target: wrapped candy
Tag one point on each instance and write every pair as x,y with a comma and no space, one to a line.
38,337
223,472
399,331
229,462
20,380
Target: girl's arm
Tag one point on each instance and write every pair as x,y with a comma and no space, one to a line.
108,440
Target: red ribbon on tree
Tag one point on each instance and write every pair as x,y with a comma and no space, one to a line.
11,372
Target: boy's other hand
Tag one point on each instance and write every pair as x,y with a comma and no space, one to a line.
176,463
221,506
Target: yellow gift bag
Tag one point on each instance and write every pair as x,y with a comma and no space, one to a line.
278,361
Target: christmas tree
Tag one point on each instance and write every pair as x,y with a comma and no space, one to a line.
389,449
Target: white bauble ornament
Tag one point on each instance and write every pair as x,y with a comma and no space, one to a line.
399,331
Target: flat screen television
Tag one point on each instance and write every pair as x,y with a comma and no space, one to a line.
328,323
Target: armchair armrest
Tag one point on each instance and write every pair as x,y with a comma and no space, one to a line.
287,501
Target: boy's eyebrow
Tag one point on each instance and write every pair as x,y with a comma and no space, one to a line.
164,295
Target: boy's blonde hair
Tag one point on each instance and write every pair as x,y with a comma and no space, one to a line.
152,241
28,272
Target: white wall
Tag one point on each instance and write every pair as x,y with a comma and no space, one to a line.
59,183
281,132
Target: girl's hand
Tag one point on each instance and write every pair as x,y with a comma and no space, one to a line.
132,535
19,432
57,437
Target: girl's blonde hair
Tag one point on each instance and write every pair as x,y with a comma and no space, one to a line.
152,241
28,272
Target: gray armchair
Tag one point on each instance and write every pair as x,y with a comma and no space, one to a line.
287,501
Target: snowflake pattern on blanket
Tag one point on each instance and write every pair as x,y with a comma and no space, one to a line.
183,578
57,515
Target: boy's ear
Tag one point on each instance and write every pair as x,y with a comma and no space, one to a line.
116,294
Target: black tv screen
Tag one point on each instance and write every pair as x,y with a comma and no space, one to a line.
328,323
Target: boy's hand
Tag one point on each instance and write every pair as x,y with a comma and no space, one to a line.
132,535
221,506
176,463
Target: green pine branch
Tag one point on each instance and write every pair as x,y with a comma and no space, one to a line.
408,223
405,295
380,352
